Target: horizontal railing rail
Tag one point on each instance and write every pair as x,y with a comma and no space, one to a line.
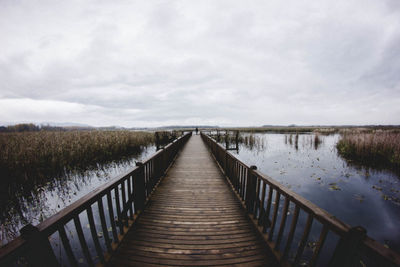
110,210
263,197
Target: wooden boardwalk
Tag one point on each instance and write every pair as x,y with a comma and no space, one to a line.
193,219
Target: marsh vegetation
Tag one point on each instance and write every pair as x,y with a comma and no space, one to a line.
376,148
43,171
31,158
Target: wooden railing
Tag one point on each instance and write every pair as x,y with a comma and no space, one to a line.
109,209
263,197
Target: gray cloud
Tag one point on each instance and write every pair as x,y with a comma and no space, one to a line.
135,63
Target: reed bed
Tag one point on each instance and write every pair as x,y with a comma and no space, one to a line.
272,129
377,148
33,156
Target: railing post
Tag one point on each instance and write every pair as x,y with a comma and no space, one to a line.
250,189
39,251
346,251
139,188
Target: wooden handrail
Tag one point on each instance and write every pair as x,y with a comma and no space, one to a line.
257,190
124,198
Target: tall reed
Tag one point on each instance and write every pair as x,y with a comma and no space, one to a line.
378,148
29,156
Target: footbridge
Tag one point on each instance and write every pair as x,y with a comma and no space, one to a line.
194,203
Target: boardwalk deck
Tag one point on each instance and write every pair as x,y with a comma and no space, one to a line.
193,218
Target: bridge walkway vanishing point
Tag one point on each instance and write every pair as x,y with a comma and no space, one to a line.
193,218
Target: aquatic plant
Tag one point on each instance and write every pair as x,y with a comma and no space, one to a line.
33,157
376,148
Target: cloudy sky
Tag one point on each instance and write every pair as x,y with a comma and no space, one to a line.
230,63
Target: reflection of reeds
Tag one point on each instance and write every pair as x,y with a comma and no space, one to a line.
42,154
253,141
317,141
376,148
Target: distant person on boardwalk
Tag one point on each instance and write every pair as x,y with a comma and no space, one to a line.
197,131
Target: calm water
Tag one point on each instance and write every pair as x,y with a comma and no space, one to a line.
52,197
356,195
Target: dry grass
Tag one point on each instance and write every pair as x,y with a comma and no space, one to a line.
42,154
379,148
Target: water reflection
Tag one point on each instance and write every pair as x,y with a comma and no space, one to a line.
42,201
310,165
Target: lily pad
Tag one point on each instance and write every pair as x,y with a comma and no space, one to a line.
333,186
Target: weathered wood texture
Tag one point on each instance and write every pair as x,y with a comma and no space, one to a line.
270,212
193,218
124,197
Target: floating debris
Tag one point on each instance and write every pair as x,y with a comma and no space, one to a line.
359,197
377,188
333,186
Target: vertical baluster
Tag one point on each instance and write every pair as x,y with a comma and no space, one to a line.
124,204
291,232
231,167
104,225
153,181
235,171
93,231
82,241
118,206
225,164
275,215
139,188
130,196
243,181
245,177
147,175
262,211
251,184
238,180
67,246
146,184
257,197
266,216
303,239
112,218
321,242
283,222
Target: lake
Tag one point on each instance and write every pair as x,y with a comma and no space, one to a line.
357,195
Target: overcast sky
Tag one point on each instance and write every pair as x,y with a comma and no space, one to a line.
229,63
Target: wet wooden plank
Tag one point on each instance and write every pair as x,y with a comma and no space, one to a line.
192,219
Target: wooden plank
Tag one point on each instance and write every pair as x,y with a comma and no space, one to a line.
194,218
